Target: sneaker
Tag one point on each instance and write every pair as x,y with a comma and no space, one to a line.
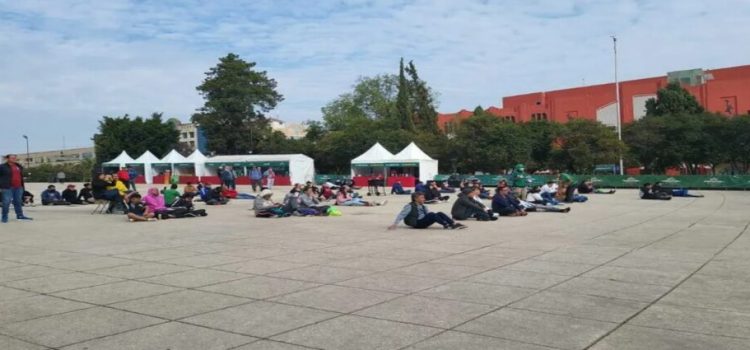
566,210
25,218
494,218
458,226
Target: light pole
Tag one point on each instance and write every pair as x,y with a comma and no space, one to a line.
28,157
619,108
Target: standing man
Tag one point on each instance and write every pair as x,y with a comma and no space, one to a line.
270,177
12,186
256,178
132,174
520,181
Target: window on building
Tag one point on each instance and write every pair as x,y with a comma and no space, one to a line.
544,116
192,143
184,135
192,134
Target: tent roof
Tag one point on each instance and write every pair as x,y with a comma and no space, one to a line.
257,158
121,159
196,156
147,158
376,153
175,157
412,152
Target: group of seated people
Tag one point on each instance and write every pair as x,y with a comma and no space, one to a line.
656,191
155,206
69,196
309,200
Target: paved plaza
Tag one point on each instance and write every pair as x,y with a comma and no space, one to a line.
615,273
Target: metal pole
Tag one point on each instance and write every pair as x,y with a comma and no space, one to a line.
28,155
619,107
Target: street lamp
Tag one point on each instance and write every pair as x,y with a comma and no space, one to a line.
619,108
28,157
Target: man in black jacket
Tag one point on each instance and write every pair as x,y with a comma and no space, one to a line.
100,191
467,207
12,187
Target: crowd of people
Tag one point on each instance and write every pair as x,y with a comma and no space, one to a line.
118,192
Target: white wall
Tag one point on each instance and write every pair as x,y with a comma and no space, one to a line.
607,115
639,105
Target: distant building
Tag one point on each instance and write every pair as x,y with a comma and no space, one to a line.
291,130
191,136
723,91
56,157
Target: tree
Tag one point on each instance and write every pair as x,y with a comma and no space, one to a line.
236,98
404,108
584,143
489,144
735,140
134,136
424,114
542,135
673,100
371,98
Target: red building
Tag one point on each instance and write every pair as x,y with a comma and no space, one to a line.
724,90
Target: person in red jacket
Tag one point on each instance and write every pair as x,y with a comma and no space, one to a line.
12,187
124,175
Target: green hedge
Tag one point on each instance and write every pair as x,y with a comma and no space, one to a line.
736,182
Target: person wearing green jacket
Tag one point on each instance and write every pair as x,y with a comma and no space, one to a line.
519,180
170,195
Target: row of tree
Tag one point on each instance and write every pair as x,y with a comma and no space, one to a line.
396,109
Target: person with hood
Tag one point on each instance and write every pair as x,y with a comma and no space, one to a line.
51,196
466,207
155,203
265,207
416,215
12,187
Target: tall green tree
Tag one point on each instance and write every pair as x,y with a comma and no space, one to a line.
735,141
542,134
135,136
371,98
424,114
236,98
404,108
673,99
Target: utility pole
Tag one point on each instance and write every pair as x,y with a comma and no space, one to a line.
28,155
619,107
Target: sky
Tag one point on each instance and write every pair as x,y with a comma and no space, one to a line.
66,63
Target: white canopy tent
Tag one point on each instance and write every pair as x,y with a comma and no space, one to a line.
374,159
147,159
174,160
412,154
120,161
199,161
301,168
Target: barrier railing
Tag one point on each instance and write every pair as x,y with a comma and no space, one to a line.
734,182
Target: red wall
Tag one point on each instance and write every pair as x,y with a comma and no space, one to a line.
728,84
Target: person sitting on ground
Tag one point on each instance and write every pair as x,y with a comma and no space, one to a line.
189,188
155,203
70,195
445,188
587,186
506,204
265,207
291,201
85,195
567,190
136,210
484,193
309,200
51,196
100,189
535,203
170,195
433,194
28,198
185,202
648,192
416,215
345,198
326,193
397,188
465,207
215,196
549,191
228,192
420,187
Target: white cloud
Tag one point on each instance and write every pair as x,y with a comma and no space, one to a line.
66,63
